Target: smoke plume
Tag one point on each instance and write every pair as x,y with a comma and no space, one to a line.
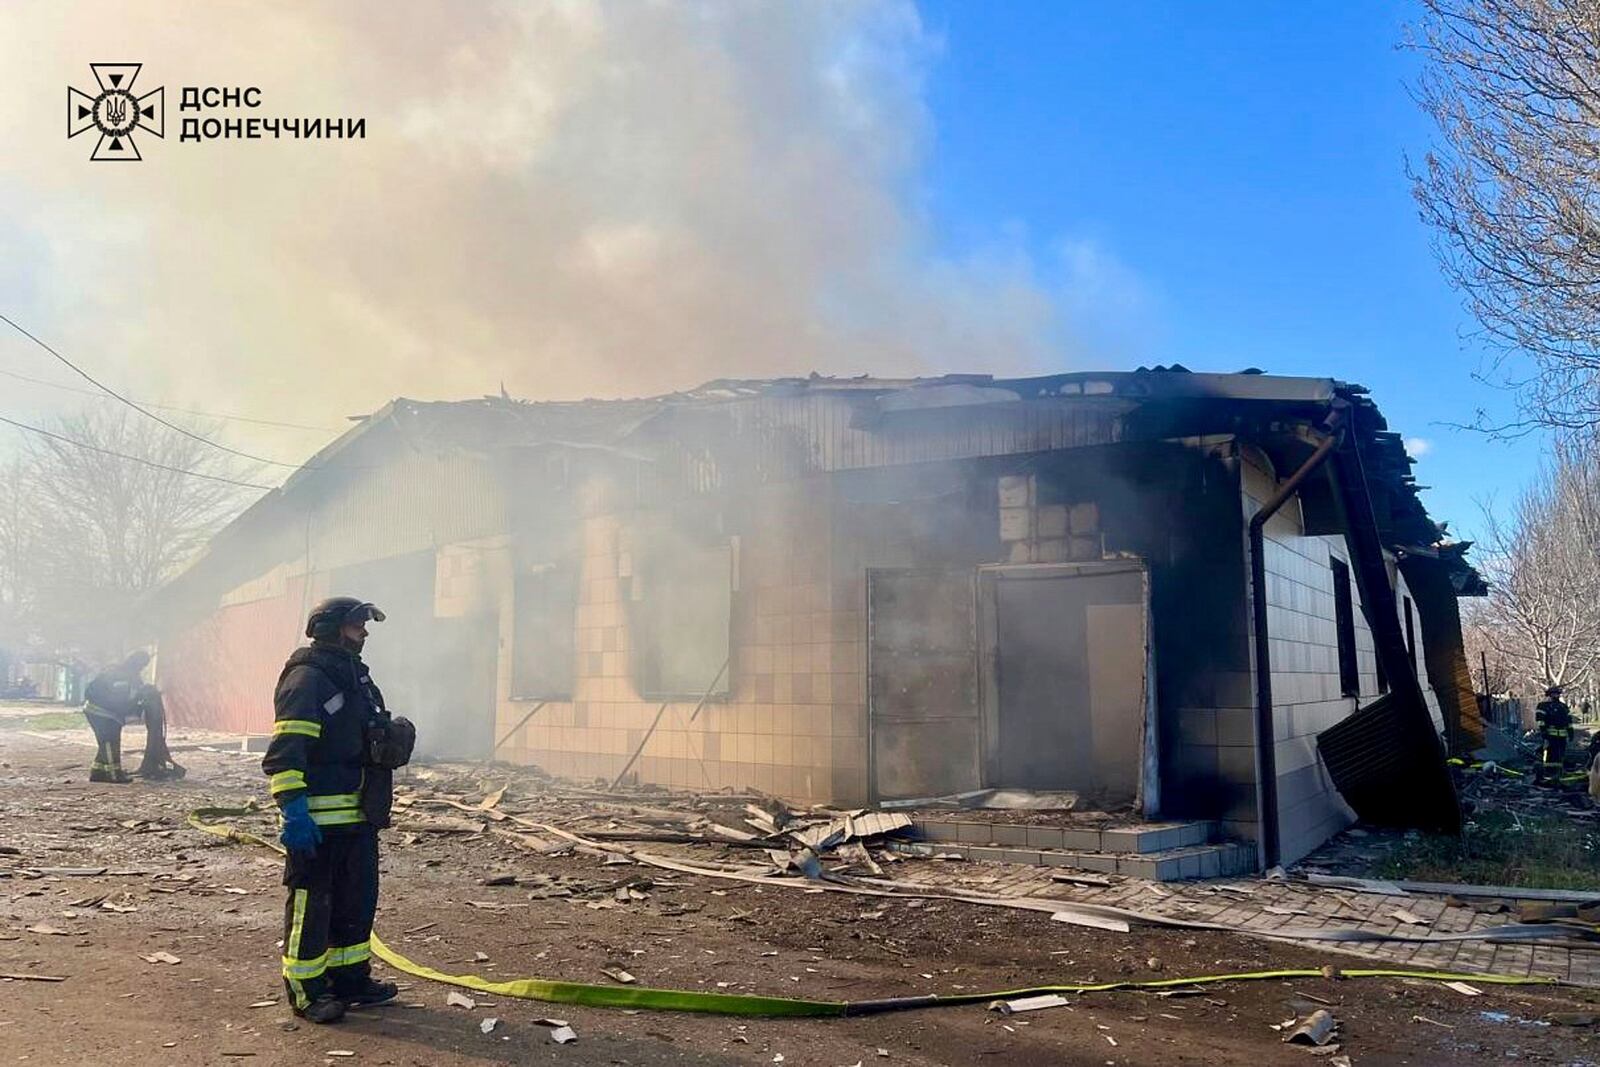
573,199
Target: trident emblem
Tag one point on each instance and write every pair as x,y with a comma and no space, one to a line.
115,111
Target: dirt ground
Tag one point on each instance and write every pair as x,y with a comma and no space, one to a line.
218,907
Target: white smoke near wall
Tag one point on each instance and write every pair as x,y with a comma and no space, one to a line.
572,198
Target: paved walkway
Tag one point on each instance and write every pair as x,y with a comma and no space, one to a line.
1266,906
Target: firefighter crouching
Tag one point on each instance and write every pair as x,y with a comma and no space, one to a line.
110,702
1555,729
331,766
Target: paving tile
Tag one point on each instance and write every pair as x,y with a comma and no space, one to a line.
1325,909
1044,837
1169,869
1083,840
1120,840
1164,840
1102,862
938,831
1136,866
985,853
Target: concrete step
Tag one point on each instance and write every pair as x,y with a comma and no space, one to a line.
1136,837
1224,860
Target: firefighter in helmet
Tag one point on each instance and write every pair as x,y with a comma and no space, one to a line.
331,766
111,701
1555,729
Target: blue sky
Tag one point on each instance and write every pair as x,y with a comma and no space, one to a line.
1233,177
1218,185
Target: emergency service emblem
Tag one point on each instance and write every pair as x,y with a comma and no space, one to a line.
116,112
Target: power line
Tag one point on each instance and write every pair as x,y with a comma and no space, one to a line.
86,376
171,407
133,459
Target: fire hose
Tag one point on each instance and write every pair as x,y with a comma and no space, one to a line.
593,995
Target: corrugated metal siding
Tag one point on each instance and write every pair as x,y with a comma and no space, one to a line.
413,503
220,673
774,439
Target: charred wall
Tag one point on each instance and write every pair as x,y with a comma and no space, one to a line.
1175,506
786,717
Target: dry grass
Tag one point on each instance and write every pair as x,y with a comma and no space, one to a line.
44,720
1502,848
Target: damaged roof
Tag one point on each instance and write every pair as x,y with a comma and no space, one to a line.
789,427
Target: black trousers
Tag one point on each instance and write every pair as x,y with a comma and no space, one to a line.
327,920
108,741
1555,754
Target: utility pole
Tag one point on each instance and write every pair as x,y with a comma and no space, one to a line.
1488,697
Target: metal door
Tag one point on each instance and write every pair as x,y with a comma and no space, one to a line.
1065,679
922,683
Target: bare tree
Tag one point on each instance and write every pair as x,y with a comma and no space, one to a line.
94,532
1490,668
16,546
1513,187
1541,625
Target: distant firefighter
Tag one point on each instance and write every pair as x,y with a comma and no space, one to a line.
110,702
1555,728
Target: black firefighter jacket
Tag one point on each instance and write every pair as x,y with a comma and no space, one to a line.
323,705
114,694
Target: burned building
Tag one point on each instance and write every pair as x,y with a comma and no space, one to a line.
1155,589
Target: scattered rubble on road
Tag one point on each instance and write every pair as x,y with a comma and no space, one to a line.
662,895
1316,1029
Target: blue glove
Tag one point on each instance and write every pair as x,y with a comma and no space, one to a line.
299,834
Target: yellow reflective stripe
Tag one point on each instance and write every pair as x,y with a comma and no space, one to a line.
342,817
101,713
303,727
344,957
325,801
302,969
297,928
284,781
292,964
298,989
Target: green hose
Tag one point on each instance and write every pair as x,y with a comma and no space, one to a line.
592,995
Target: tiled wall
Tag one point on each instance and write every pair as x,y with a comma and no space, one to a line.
1037,532
793,724
1306,696
1206,687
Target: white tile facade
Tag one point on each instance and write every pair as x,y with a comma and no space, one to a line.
1303,648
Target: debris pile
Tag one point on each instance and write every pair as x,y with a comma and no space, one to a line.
754,834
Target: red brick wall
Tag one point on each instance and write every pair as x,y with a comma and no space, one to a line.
219,674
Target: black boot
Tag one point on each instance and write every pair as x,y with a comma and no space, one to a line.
100,769
118,775
107,772
372,992
325,1009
